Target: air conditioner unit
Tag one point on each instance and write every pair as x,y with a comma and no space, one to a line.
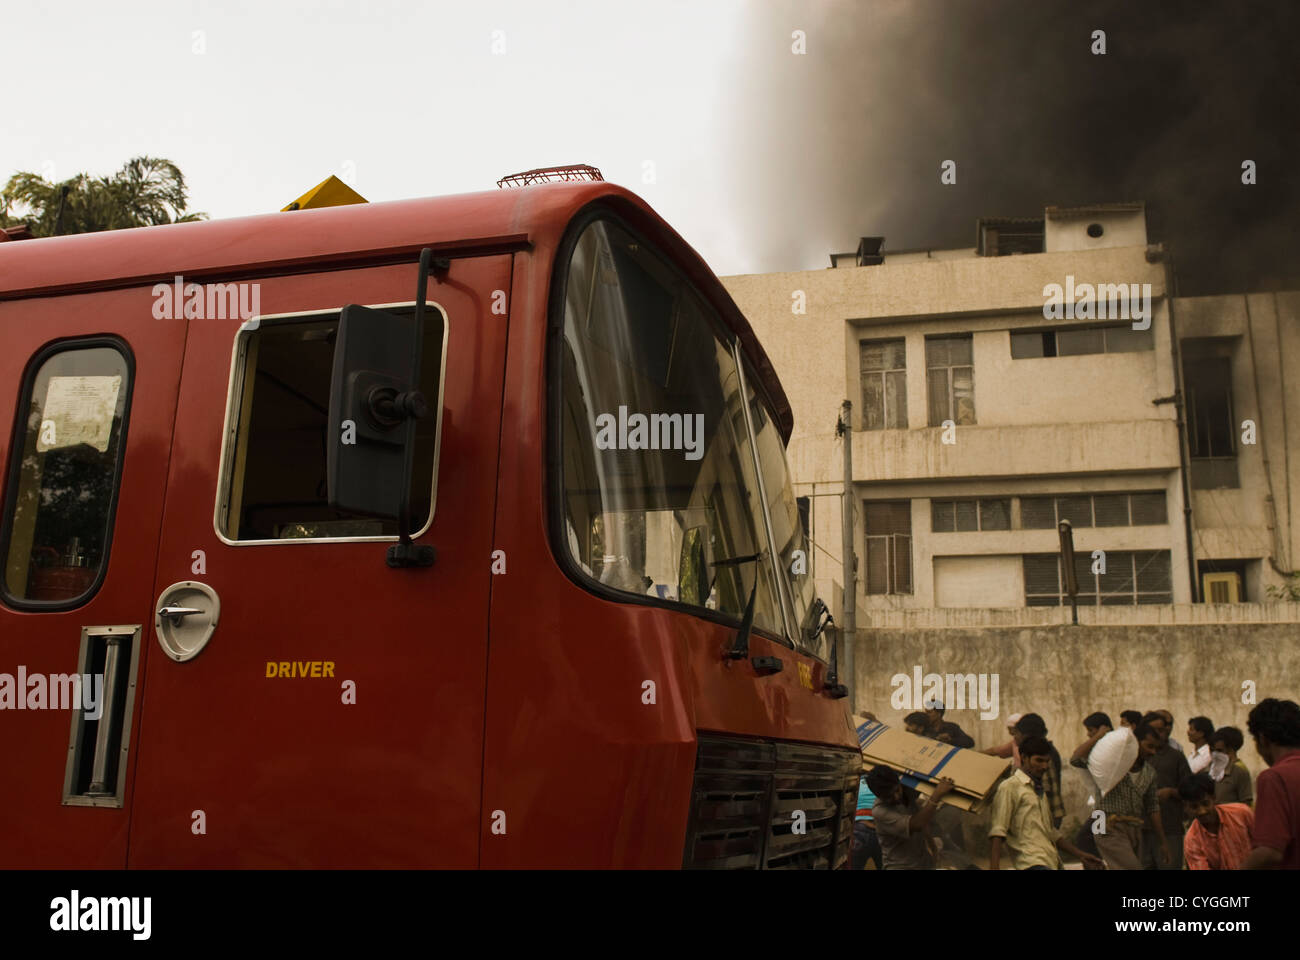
1221,587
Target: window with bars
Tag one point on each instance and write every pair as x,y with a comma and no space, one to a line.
883,365
1094,510
958,516
889,546
1130,578
950,380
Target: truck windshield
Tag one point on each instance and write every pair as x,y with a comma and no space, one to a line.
660,493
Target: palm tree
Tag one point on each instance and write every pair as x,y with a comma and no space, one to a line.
147,191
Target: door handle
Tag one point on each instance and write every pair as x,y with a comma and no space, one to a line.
175,614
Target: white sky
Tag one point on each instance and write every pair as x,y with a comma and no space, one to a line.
401,98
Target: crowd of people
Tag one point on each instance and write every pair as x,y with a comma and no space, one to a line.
1173,807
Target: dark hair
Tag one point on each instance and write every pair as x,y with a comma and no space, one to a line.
1230,737
1145,730
1204,724
1196,787
916,719
882,780
1035,747
1032,725
1279,720
1147,718
1132,716
1097,719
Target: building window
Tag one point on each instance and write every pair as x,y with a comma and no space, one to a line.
884,384
950,380
889,547
959,516
1130,578
1077,341
1094,510
1211,430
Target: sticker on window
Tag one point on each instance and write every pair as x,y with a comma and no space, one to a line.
78,410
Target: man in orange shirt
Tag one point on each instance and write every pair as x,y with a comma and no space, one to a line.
1220,835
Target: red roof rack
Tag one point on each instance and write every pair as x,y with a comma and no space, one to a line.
575,171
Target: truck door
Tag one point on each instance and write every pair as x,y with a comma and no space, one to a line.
88,394
306,703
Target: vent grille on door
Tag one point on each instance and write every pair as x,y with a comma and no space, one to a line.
771,805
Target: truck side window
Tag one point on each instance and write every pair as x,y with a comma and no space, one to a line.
273,466
63,477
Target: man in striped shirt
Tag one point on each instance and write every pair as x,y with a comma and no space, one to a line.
1120,840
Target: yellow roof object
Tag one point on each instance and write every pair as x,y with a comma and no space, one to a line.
330,192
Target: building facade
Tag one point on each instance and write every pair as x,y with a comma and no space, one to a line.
1045,374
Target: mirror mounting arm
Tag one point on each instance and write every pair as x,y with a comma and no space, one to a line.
410,407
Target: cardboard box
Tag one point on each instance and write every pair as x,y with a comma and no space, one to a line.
921,761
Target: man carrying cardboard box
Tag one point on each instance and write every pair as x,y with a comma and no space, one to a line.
901,825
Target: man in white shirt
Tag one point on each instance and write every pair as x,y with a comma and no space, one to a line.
1199,731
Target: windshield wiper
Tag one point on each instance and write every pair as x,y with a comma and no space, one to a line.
739,649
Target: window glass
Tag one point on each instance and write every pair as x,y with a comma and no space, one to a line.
889,546
660,494
68,457
995,514
1127,340
1111,509
967,515
1078,510
1026,346
884,384
942,516
1037,513
276,467
1070,343
788,529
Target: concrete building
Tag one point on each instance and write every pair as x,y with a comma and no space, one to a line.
1033,378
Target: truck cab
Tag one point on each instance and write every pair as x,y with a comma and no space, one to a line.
601,649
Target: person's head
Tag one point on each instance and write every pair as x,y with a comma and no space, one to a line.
934,712
884,783
1035,756
1156,720
1011,725
1275,725
1032,725
1148,738
1197,794
1095,721
1199,730
1169,722
1130,719
916,722
1227,740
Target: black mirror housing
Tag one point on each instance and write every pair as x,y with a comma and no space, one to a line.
374,403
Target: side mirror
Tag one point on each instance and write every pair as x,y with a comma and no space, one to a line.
374,403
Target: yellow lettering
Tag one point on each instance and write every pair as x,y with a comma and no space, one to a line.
329,668
315,668
270,668
284,668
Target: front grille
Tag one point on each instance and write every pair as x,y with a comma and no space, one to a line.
746,798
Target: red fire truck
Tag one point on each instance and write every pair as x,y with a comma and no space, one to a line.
453,532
